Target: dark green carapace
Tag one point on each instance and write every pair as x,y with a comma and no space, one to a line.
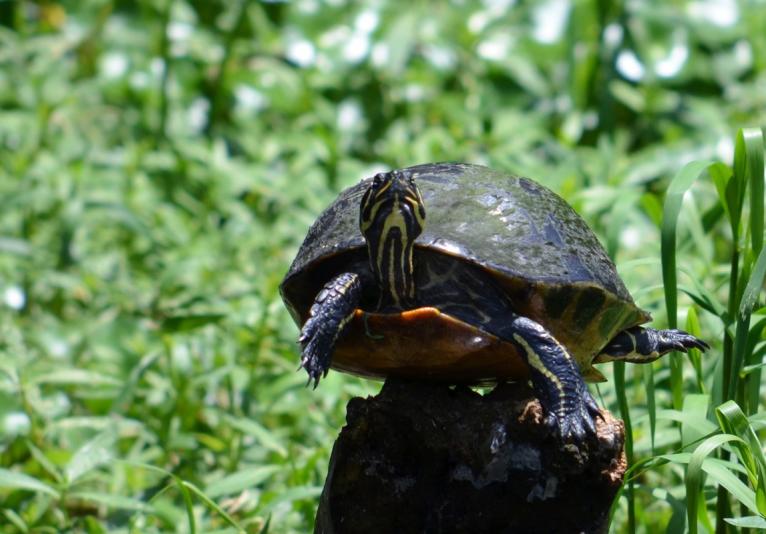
486,266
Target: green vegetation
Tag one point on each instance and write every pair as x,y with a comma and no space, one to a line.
161,160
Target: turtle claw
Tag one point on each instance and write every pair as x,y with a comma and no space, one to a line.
682,341
315,354
573,428
312,378
315,365
315,361
576,413
575,422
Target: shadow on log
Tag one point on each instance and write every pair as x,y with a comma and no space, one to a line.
430,458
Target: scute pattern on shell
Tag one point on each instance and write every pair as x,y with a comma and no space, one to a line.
505,223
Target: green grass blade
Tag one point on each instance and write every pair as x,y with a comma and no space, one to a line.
707,300
756,331
258,431
748,168
720,473
16,519
721,175
188,503
179,483
45,463
694,474
695,406
753,287
241,480
737,186
677,522
695,356
752,521
92,455
76,377
622,401
678,187
187,488
744,355
691,419
740,354
212,505
266,525
733,420
297,493
738,359
750,141
749,369
13,480
758,421
651,403
704,518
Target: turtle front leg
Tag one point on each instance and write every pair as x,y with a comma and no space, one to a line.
333,308
644,345
556,378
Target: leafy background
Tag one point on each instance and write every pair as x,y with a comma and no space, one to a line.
161,160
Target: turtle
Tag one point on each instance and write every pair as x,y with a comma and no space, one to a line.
457,273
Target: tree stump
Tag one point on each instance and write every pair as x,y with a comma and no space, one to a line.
432,458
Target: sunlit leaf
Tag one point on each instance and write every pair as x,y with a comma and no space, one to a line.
752,521
14,480
92,455
241,480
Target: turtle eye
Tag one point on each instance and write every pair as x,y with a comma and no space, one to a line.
378,179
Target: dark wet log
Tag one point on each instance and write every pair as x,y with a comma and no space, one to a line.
429,458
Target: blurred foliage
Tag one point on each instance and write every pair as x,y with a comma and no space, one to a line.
161,160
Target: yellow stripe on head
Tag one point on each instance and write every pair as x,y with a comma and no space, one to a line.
391,217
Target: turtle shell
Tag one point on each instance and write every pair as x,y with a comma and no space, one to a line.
528,238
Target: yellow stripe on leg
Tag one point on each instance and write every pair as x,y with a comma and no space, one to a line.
535,361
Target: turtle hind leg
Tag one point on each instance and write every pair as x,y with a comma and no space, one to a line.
333,308
644,345
556,378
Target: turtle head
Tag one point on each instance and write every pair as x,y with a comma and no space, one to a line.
391,217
